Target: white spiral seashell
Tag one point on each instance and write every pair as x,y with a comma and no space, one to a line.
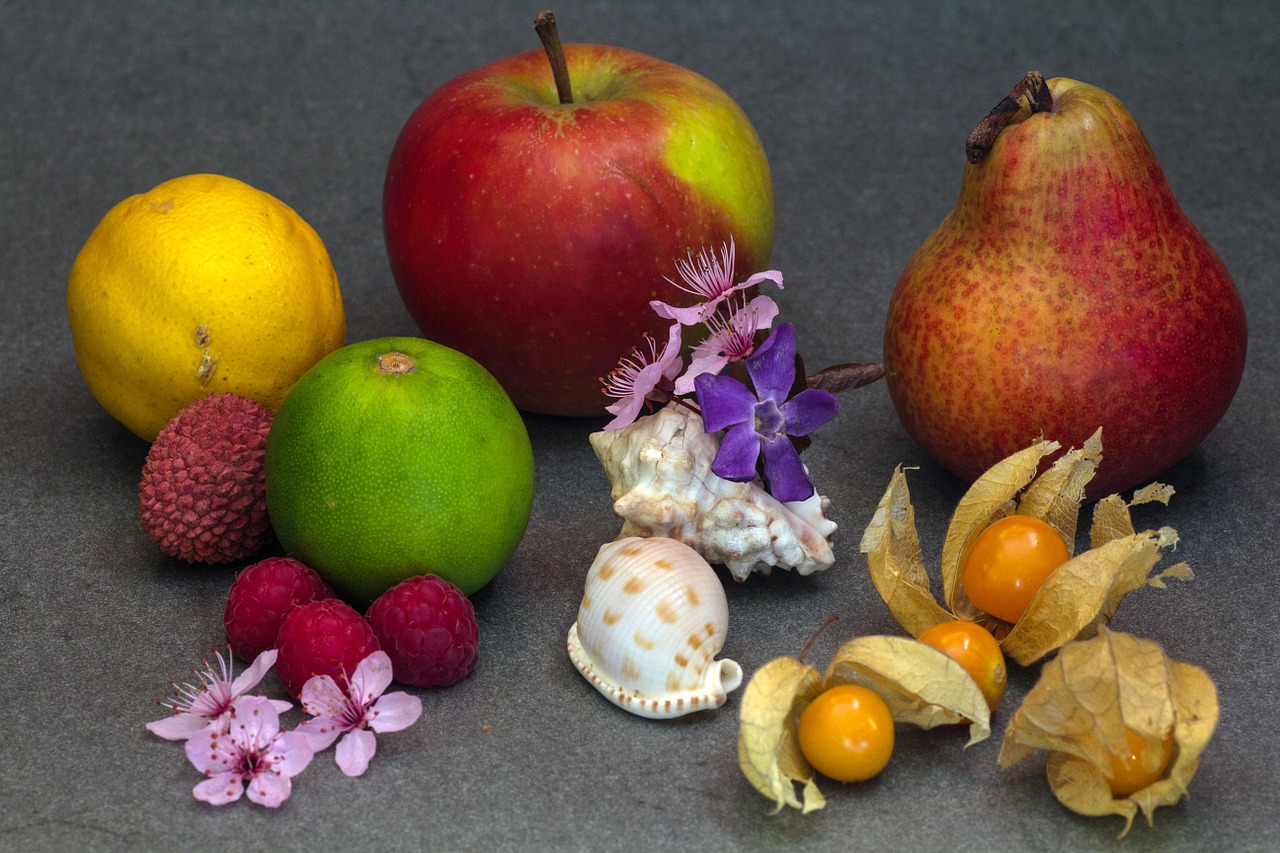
653,617
660,468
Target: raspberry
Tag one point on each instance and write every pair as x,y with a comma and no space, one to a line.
260,598
428,629
327,637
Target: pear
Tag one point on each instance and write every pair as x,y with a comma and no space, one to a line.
1066,291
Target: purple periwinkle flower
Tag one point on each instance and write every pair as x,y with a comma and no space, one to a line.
354,714
252,753
730,337
764,419
207,704
640,377
711,279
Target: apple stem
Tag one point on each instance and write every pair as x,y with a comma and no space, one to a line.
545,26
1031,91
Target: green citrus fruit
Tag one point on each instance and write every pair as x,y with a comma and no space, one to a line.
398,457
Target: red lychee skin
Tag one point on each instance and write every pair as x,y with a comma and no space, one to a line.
428,629
202,496
261,596
327,637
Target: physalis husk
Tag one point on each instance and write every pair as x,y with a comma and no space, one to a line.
1077,597
1087,697
920,684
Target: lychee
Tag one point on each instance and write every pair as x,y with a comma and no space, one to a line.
203,496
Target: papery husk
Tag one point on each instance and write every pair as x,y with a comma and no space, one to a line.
918,683
1083,593
897,569
768,747
1054,497
1079,596
1085,699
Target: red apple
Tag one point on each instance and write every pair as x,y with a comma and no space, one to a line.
1067,291
531,234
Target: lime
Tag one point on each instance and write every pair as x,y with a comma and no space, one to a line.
398,457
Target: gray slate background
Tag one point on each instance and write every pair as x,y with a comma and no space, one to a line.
863,109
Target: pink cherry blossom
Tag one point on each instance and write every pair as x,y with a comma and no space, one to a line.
639,377
207,704
356,713
253,752
729,338
712,280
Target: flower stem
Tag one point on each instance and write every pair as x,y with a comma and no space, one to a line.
808,647
1032,89
545,26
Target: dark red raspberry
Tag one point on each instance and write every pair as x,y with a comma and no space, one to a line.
327,637
259,599
428,629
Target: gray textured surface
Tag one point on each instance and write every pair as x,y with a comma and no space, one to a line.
863,109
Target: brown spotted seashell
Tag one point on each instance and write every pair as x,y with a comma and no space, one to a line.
653,617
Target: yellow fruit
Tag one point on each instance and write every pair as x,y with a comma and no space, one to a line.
203,285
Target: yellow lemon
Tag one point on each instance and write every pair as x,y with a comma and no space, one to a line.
203,285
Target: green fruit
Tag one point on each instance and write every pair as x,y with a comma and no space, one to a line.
398,457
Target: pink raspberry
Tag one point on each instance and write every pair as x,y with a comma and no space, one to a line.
260,598
326,637
428,629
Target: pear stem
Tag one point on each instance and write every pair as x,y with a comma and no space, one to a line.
1031,91
545,26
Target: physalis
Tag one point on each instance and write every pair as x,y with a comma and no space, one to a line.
1125,725
1072,595
917,683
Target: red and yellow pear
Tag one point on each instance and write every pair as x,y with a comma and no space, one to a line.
1066,291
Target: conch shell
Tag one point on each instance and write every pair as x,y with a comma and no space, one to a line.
653,618
660,468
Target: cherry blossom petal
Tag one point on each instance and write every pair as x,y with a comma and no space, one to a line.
320,732
254,722
212,752
774,276
371,678
322,697
394,712
221,789
691,316
638,376
249,679
181,726
706,357
270,789
290,754
730,339
355,750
